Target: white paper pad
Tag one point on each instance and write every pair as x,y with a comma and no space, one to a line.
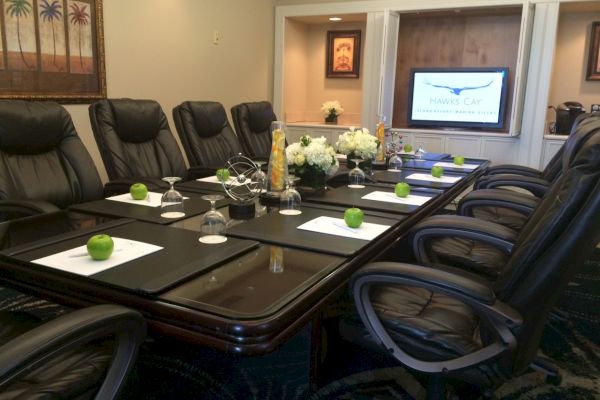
79,262
214,179
392,198
452,165
430,178
153,199
341,156
337,227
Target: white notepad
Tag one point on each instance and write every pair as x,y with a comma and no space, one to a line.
390,197
153,199
337,227
431,178
214,179
79,262
445,164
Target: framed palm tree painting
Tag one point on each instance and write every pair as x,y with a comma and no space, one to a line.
52,50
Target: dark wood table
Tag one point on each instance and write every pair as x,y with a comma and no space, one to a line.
250,304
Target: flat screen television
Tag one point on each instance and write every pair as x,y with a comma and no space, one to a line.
457,97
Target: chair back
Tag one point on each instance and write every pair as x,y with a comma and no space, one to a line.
205,132
560,235
42,156
568,149
134,139
252,123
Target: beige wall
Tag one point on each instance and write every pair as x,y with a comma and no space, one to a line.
317,88
163,50
570,62
295,70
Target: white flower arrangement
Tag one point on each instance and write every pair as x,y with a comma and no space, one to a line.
332,108
358,142
312,155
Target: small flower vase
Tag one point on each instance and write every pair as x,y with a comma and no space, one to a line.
311,182
331,119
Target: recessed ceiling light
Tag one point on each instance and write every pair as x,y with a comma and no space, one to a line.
335,19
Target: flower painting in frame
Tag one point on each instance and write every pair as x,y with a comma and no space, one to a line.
52,50
593,70
343,54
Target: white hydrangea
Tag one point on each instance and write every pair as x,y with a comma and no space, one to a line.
313,154
359,142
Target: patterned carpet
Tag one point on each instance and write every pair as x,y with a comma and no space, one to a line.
168,370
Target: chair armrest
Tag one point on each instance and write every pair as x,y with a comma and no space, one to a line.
471,290
58,336
520,202
513,169
122,185
537,186
27,207
496,235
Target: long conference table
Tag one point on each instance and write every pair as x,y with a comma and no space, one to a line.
247,295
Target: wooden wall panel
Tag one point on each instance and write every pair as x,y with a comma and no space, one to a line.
454,40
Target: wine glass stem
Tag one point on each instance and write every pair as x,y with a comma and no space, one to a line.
212,205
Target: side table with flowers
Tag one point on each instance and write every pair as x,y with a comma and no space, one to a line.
331,111
312,160
358,144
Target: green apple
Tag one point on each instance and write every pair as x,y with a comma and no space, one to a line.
402,189
222,174
437,171
353,217
138,191
100,247
407,148
459,160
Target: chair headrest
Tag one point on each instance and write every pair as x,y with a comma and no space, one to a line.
260,116
30,127
209,117
584,127
136,121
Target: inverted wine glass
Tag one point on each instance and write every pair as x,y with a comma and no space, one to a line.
290,200
356,177
259,176
395,163
171,203
213,223
420,152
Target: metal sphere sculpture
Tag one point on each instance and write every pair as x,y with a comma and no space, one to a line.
240,186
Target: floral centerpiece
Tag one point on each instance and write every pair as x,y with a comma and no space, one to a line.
312,159
331,110
357,143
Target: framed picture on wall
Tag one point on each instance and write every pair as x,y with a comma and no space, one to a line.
52,50
593,71
343,54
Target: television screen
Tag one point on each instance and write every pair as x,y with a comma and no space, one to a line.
457,97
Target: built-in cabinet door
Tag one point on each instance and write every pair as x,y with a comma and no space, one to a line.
551,147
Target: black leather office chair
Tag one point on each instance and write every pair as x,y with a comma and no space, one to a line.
450,323
85,354
207,137
531,179
512,208
135,143
252,122
483,246
45,166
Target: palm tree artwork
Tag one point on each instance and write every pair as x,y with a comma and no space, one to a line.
19,9
51,12
79,17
